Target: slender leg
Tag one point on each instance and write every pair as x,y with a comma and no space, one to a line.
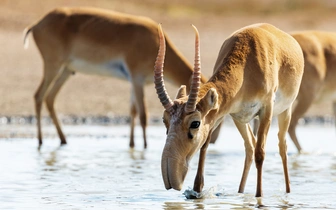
312,81
50,100
303,104
246,133
138,87
255,126
51,71
133,116
334,109
199,179
215,133
283,121
265,118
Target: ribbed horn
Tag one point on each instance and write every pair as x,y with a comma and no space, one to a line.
196,77
165,100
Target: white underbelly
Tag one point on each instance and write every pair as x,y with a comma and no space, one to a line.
113,68
246,111
281,102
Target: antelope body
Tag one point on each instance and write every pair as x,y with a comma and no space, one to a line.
319,79
101,42
257,73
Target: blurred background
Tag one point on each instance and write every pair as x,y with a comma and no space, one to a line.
83,95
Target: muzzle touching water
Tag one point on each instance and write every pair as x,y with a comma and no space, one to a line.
173,171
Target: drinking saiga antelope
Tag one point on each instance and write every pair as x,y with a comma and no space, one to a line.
101,42
257,73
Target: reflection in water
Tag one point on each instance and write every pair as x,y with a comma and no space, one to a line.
137,155
51,158
259,203
333,167
103,173
236,201
195,204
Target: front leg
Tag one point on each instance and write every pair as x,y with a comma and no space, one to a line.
249,143
199,179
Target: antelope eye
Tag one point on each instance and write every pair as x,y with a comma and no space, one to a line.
195,124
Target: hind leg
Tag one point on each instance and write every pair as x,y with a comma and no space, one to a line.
334,109
138,88
133,116
265,118
51,71
255,125
283,121
50,99
249,143
302,106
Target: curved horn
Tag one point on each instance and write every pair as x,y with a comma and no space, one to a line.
165,100
196,77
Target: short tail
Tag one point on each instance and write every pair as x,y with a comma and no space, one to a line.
25,35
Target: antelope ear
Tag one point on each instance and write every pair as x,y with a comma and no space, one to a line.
209,101
182,92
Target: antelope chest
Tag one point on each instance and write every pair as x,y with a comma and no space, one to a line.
246,111
112,68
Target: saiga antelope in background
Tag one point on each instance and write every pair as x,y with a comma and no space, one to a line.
101,42
257,73
319,78
318,83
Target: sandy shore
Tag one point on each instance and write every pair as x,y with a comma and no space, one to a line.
83,95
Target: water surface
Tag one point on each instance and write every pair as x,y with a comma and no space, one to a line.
98,170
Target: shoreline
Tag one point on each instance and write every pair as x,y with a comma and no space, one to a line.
125,120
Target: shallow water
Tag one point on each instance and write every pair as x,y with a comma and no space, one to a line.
98,170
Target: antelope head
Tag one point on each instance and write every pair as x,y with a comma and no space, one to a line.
189,119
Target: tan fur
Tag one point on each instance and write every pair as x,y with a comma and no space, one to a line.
319,78
257,73
71,38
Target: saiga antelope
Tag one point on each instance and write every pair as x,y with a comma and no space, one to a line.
319,78
101,42
318,81
257,73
